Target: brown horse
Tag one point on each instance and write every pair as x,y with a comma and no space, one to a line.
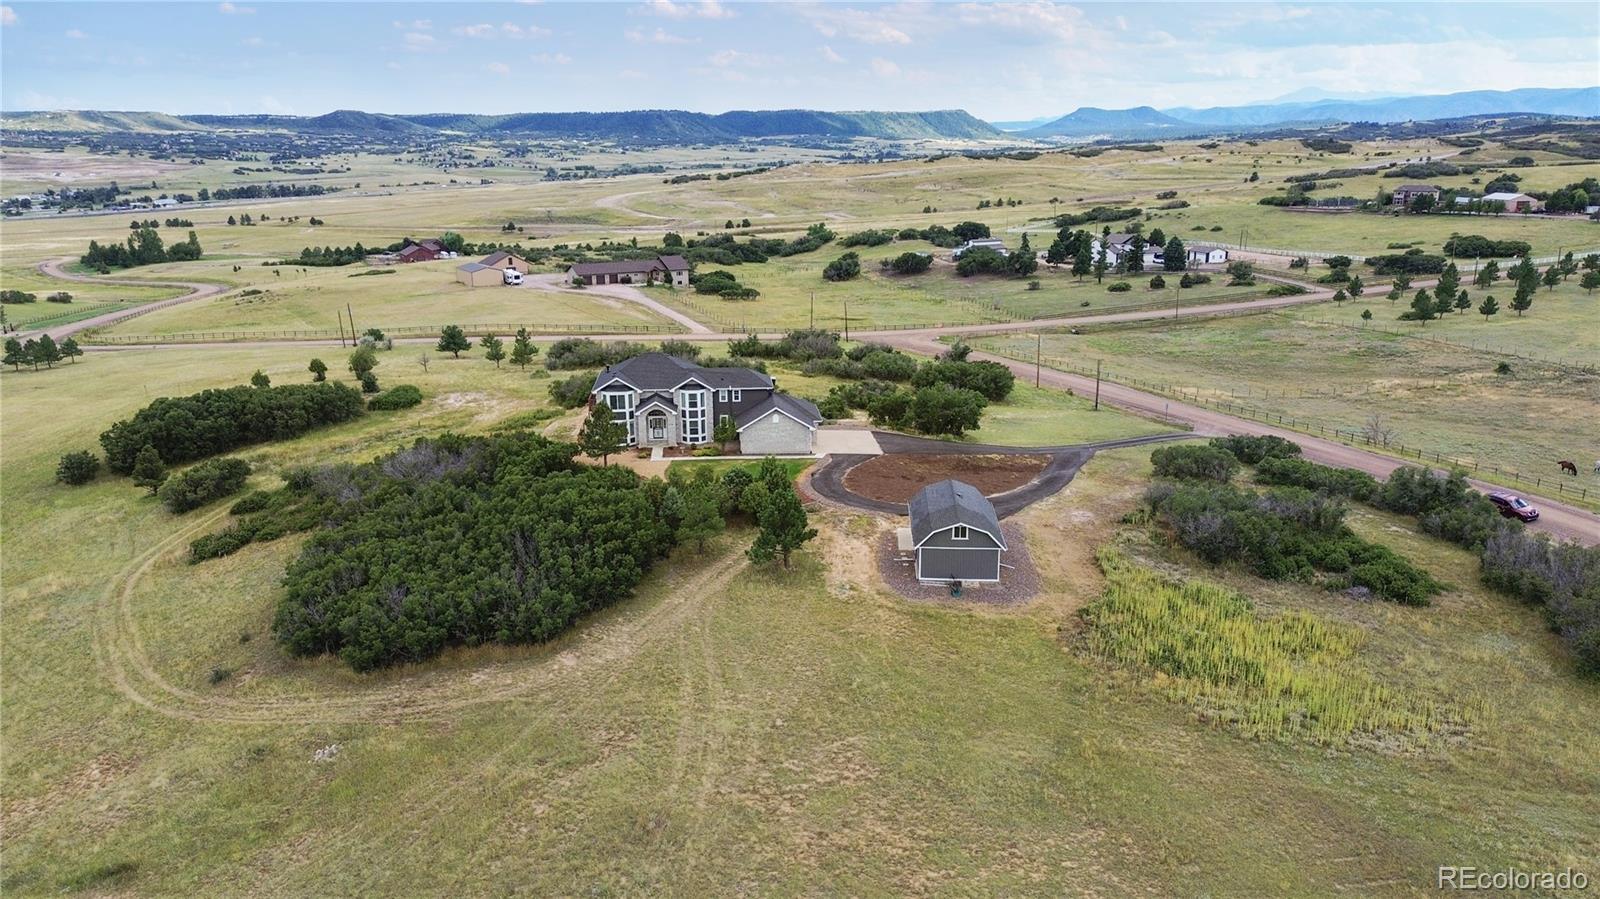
1568,467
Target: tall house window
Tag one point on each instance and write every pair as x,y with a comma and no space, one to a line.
959,532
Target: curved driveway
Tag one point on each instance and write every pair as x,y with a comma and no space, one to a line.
53,268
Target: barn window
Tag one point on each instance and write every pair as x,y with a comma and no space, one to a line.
959,532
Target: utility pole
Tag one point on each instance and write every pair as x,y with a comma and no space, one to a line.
1038,354
340,316
847,321
813,310
1097,385
352,316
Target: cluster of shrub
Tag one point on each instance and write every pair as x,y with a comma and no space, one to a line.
183,429
460,541
1284,533
1098,214
1464,246
722,283
1562,578
328,257
1412,262
945,396
984,261
144,247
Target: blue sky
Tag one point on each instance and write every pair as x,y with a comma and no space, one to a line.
996,60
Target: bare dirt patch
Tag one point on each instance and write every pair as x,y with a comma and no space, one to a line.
896,477
1019,579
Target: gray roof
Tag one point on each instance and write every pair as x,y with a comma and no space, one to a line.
947,503
1417,188
499,256
658,371
793,406
474,267
632,266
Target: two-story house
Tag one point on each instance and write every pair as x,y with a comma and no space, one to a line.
667,401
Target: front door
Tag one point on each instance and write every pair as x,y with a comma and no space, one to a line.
656,424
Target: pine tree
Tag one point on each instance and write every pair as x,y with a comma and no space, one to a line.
70,350
1422,306
1355,287
1523,300
46,351
494,349
784,526
149,471
1488,307
1081,262
1552,277
1487,275
601,436
318,369
701,513
30,353
453,340
260,379
1174,257
1135,255
15,356
1339,296
1462,302
1100,264
1449,283
523,350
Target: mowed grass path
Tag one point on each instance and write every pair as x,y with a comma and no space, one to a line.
785,732
1435,396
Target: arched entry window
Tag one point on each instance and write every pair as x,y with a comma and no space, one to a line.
657,424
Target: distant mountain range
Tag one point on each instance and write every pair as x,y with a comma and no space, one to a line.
1146,122
649,125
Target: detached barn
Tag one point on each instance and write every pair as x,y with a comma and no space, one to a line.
956,534
476,274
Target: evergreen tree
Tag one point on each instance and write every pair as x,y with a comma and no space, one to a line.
1449,283
363,361
601,436
494,349
46,351
784,526
1135,256
30,353
701,511
70,350
318,369
15,356
260,379
726,431
1462,302
1355,287
78,467
1174,257
453,340
1589,281
149,471
1366,315
1082,264
1339,296
1100,265
1523,300
1422,307
1023,262
1487,275
1552,277
523,350
1488,307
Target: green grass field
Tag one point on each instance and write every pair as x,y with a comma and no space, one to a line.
789,732
1435,396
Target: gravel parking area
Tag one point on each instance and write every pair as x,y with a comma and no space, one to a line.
1018,583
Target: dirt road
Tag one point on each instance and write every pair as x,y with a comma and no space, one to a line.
557,283
1558,519
54,268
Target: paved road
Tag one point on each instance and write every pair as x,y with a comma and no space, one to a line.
54,269
1556,518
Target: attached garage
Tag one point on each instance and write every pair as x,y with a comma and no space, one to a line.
956,534
782,426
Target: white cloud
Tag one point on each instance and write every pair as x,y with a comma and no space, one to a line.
703,9
8,16
1041,18
255,41
883,68
631,75
880,25
75,34
725,58
553,59
275,106
498,68
417,42
484,30
229,9
512,29
505,29
830,55
415,25
659,36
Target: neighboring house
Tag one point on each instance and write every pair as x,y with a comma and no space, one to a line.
668,401
502,260
984,243
672,270
1205,254
1514,202
956,534
416,253
1405,193
165,203
1119,247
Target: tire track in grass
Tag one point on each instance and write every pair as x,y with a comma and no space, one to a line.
124,661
